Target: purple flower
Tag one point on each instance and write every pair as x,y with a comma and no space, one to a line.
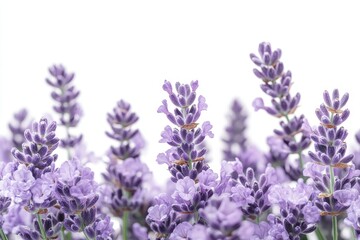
199,232
223,216
208,179
162,219
311,213
353,216
65,95
17,128
346,196
298,211
5,151
140,232
16,216
185,189
181,231
285,195
101,229
242,196
276,84
21,182
186,137
37,152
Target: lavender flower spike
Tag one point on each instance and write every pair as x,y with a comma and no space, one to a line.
186,161
330,145
17,129
276,84
66,96
335,187
126,174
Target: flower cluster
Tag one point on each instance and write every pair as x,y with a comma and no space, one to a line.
293,134
126,175
65,95
283,193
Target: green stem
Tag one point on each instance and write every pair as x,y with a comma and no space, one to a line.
68,148
319,234
303,237
334,218
86,236
125,219
42,230
301,162
196,217
3,235
334,228
353,234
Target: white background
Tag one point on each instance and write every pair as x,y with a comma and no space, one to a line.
126,49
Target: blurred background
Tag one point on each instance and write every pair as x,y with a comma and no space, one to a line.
126,49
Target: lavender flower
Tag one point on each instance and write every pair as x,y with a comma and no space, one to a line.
236,141
186,136
18,127
276,84
35,165
299,214
66,96
335,187
245,190
4,205
126,174
161,218
76,192
185,159
224,219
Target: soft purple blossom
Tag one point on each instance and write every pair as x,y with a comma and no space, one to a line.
185,189
181,231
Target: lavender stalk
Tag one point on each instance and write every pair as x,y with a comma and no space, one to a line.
276,84
67,106
335,185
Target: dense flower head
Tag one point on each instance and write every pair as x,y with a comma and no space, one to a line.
65,95
298,213
36,154
293,134
162,219
249,192
126,175
222,216
76,189
276,84
121,121
186,137
329,138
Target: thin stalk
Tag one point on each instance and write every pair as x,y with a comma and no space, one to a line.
3,235
86,236
42,230
196,217
334,218
319,234
301,162
65,236
334,228
125,223
353,234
